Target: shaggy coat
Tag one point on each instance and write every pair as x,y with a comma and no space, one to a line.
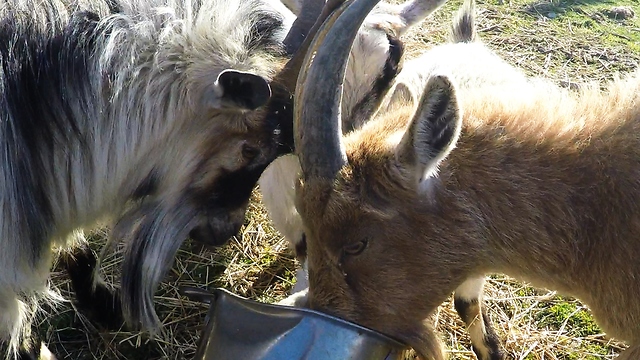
471,168
147,114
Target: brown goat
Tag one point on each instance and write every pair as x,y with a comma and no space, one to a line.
469,168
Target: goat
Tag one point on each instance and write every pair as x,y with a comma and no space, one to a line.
154,114
374,61
472,168
282,173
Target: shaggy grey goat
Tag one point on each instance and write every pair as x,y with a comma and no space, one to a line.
156,115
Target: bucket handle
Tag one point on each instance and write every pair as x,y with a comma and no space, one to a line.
197,294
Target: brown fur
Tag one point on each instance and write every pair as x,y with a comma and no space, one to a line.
543,185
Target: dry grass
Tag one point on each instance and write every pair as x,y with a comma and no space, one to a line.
567,41
256,264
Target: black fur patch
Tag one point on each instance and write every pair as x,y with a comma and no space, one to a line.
148,186
216,232
491,340
442,127
114,7
280,118
301,247
463,29
263,31
30,350
391,67
45,77
102,304
462,307
43,82
371,101
231,190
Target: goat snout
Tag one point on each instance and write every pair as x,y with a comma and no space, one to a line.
215,233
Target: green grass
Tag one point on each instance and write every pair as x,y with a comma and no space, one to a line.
568,314
566,41
562,40
586,18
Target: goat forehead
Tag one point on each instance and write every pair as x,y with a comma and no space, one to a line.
228,126
373,146
209,36
349,218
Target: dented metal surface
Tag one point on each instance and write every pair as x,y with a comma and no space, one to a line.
239,328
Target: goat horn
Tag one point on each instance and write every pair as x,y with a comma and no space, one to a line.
317,122
289,74
280,108
308,15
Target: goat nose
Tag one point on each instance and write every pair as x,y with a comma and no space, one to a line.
207,235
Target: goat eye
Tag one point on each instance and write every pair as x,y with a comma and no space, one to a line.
249,152
355,248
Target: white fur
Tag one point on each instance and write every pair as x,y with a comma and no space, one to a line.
470,289
277,185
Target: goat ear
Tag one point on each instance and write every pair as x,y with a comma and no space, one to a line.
239,90
433,131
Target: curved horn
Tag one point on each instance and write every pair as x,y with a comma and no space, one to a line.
307,16
280,108
317,122
289,74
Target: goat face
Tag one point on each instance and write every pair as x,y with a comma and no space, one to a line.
374,61
347,222
211,162
222,182
201,185
222,190
224,135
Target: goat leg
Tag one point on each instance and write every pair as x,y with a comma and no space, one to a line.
94,298
468,304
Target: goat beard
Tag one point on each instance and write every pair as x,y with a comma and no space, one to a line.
424,341
152,231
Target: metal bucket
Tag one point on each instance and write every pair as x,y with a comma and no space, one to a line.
238,328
